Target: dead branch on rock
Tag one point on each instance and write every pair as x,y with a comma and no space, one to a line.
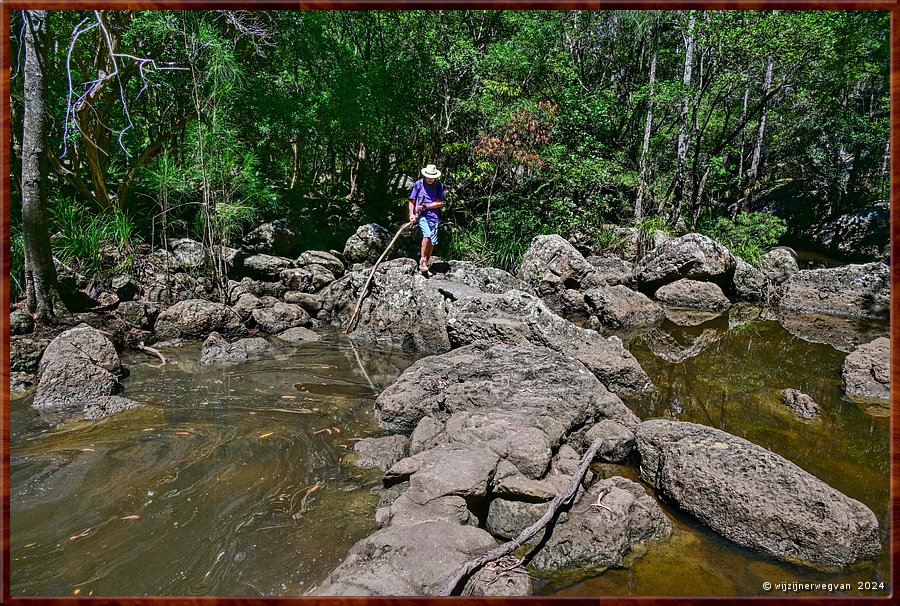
558,501
152,351
365,287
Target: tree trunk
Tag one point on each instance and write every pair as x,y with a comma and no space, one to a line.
41,287
678,184
644,185
753,172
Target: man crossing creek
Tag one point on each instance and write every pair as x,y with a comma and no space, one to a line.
425,199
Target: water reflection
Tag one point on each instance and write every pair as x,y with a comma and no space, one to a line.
223,483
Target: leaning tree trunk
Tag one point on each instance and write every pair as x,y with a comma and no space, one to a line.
41,289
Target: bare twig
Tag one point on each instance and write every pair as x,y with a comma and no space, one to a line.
365,287
152,351
558,501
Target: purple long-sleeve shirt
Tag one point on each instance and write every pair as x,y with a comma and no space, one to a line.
427,194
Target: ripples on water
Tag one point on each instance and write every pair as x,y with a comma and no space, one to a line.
238,489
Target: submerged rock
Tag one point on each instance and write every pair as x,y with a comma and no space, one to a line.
217,349
800,404
867,375
104,406
858,291
844,334
755,497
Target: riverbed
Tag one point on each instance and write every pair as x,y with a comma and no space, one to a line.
229,480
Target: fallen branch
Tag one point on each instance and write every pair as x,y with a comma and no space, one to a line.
152,351
558,501
365,287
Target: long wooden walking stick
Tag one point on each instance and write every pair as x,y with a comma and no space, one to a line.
558,501
365,287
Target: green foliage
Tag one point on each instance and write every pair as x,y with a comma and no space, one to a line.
89,242
16,259
749,236
650,225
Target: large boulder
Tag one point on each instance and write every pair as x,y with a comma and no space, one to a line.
327,260
367,244
484,279
186,253
693,256
620,307
596,537
517,317
548,387
261,267
275,238
693,294
867,375
196,318
276,316
760,284
217,349
755,497
557,271
406,560
78,365
382,453
865,234
612,269
859,291
399,311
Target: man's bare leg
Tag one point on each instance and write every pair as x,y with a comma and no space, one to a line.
423,260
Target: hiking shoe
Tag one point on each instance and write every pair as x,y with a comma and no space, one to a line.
423,266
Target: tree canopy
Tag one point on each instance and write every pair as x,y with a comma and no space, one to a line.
202,123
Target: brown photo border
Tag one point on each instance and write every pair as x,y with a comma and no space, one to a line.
9,5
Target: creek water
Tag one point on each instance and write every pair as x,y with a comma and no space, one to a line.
229,481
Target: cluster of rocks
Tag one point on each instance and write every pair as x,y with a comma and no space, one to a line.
518,381
165,301
490,427
692,279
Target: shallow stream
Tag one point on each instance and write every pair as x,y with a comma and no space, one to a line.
229,480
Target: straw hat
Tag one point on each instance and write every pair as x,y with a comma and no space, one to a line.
431,172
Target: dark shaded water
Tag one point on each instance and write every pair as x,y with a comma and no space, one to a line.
240,490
